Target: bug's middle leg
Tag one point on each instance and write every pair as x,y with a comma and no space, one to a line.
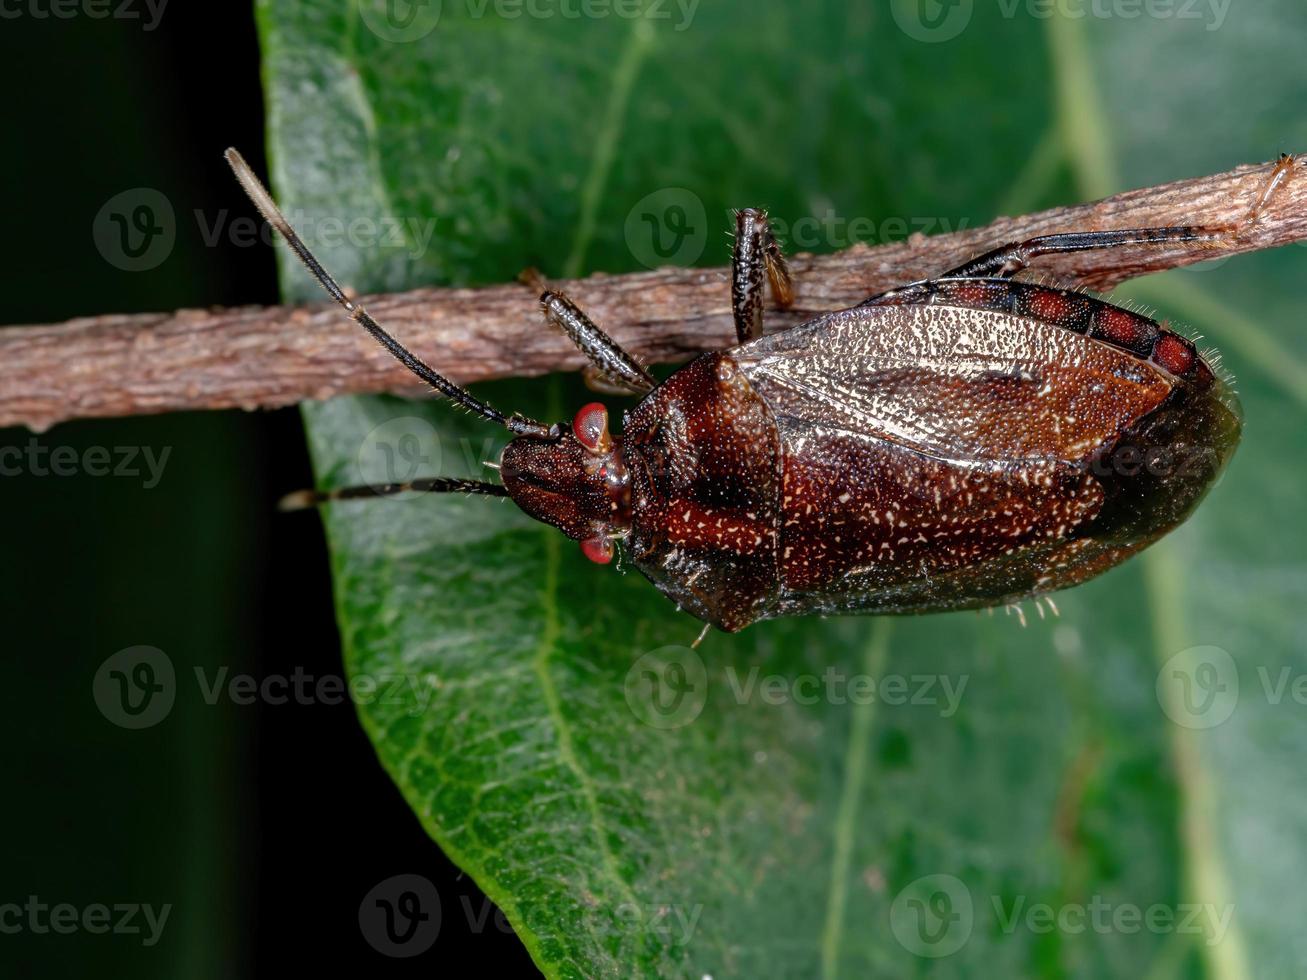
756,251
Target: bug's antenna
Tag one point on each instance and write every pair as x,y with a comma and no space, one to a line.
303,499
516,424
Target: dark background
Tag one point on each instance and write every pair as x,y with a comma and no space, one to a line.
263,826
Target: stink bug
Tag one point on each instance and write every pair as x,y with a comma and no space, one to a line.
961,442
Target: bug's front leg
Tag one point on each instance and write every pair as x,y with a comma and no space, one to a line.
1007,260
612,370
756,251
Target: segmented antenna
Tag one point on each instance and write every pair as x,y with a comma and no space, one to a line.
303,499
516,424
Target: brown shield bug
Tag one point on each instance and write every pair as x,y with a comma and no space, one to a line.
961,442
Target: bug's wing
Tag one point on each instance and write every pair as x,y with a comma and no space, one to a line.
954,383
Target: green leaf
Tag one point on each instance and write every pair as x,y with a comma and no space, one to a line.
949,795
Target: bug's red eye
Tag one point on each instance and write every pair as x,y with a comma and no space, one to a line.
598,549
591,428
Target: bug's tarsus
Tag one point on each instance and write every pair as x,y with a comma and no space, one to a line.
534,278
602,384
305,499
517,424
756,254
1279,173
611,364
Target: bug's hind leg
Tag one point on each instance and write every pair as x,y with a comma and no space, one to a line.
612,370
756,252
1007,260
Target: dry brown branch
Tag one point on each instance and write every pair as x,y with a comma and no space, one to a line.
265,357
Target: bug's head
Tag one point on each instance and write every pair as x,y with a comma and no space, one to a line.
575,481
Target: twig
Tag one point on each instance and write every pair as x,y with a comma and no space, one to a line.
266,357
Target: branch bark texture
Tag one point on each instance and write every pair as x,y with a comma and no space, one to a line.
266,357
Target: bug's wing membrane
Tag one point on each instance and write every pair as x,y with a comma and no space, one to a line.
969,385
938,457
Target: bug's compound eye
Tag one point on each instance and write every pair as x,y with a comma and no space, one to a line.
591,428
598,549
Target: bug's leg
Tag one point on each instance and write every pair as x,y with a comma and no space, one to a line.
601,384
611,364
756,252
1007,260
702,633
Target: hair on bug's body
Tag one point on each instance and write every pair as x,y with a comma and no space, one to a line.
960,442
